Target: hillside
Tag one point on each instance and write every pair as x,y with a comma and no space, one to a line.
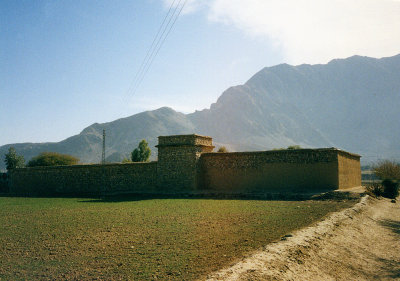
350,103
123,135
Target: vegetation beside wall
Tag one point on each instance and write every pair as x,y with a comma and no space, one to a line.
141,153
52,159
387,169
13,160
388,173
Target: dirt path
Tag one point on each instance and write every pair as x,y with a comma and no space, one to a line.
361,243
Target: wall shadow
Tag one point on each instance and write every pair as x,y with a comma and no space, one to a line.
392,266
393,225
115,198
338,196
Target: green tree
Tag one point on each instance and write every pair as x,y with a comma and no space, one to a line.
389,172
13,160
222,149
141,153
52,159
293,147
126,160
290,147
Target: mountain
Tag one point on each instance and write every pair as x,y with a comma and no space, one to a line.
122,136
350,103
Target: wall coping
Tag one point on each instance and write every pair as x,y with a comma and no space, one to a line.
185,140
304,150
185,145
188,135
86,166
349,153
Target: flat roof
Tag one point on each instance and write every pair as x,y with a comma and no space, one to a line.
188,135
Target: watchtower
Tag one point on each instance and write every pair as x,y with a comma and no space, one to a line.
177,167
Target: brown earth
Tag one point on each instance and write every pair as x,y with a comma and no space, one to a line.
360,243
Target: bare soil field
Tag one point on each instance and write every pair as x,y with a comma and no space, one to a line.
142,239
360,243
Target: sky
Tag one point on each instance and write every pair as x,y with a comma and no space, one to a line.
65,65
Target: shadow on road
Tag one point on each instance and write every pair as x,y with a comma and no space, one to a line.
393,225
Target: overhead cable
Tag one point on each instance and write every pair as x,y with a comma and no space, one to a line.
145,60
158,41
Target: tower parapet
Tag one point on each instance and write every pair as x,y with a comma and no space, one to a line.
178,155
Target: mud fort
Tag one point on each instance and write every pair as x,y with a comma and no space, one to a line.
187,165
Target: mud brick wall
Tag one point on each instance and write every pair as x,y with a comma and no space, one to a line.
178,140
349,170
304,170
186,165
177,168
85,179
3,182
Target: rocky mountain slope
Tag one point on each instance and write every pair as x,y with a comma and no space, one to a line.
351,104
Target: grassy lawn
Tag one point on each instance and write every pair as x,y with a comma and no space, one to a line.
180,239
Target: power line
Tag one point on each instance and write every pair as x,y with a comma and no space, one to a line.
153,52
159,47
159,40
144,62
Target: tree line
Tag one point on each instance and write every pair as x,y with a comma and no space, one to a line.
13,160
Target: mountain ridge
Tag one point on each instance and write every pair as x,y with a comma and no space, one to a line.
352,104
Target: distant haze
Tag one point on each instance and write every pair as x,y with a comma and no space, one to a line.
351,104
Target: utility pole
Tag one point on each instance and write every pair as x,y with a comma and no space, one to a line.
103,154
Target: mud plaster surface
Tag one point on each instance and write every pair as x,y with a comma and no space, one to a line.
360,243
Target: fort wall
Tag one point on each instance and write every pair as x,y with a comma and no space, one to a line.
349,168
305,170
3,182
85,179
187,165
178,157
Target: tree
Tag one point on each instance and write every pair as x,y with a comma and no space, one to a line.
222,149
52,159
389,173
387,169
293,147
13,160
290,147
141,153
126,160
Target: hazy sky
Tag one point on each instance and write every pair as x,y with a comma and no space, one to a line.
67,64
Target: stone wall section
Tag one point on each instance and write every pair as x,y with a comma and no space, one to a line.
349,170
187,165
3,182
303,170
85,179
178,156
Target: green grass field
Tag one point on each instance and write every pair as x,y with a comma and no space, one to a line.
180,239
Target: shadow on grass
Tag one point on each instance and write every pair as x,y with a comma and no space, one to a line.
338,196
114,198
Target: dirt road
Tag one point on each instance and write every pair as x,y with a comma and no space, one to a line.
361,243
